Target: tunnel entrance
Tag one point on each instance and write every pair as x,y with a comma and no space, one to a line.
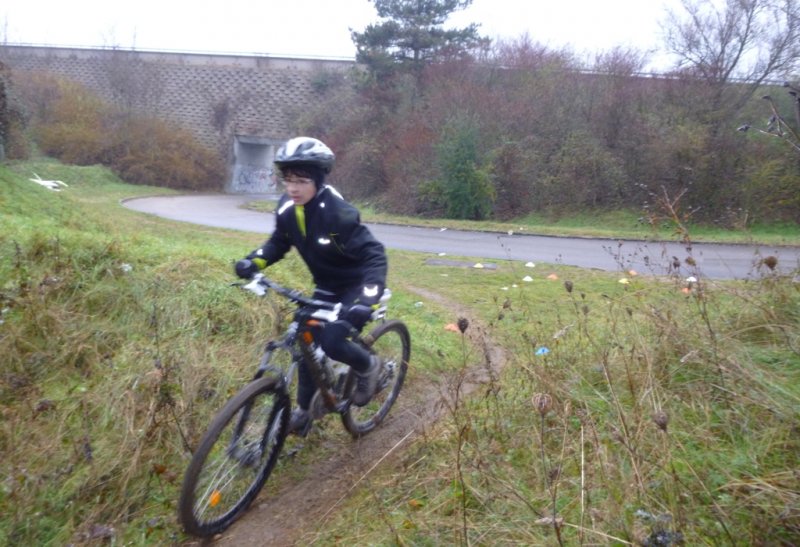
252,165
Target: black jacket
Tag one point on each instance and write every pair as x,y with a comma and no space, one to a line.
340,252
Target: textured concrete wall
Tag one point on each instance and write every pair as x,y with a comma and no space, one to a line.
217,97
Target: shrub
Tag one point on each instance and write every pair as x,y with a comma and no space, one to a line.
585,174
465,186
517,167
13,120
149,151
770,193
71,127
74,125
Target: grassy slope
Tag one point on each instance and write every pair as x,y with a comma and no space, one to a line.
662,412
120,337
87,286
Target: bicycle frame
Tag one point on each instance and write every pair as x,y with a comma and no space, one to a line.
299,341
241,446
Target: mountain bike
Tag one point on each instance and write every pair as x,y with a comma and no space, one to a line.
240,449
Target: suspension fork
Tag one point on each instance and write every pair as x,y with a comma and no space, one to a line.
311,352
265,364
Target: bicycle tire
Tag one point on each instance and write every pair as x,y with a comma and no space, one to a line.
391,341
235,457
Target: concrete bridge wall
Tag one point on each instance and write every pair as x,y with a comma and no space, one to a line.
242,106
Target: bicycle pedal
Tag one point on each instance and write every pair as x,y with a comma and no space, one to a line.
292,452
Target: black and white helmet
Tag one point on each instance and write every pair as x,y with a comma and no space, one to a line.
305,151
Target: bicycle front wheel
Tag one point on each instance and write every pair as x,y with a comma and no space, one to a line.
392,343
234,458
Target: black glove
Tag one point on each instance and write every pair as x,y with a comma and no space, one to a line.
361,311
246,268
358,315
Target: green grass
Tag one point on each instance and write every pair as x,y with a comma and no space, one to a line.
661,410
120,338
724,374
614,224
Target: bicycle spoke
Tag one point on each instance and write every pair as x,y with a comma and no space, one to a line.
391,344
235,457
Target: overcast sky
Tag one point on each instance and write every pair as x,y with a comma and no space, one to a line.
319,28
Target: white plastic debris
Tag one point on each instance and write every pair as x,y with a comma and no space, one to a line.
527,278
530,265
54,185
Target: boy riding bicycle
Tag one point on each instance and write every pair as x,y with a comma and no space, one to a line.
347,263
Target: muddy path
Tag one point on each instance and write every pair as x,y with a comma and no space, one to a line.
291,515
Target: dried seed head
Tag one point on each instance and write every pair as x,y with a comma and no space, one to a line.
45,405
542,402
463,324
662,420
568,285
770,262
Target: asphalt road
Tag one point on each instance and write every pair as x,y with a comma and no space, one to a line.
711,260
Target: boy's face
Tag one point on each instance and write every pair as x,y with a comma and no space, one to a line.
300,189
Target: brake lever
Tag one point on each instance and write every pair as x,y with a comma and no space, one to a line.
255,287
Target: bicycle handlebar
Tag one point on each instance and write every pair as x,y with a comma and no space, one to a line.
259,284
328,311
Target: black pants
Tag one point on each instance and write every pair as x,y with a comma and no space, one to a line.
335,342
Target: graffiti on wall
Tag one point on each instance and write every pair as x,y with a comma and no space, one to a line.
255,179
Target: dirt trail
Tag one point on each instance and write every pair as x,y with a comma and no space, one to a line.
302,507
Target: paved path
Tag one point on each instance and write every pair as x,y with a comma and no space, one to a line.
712,260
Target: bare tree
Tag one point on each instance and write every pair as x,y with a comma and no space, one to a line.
750,40
726,51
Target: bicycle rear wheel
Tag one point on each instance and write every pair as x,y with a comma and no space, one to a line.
392,343
234,458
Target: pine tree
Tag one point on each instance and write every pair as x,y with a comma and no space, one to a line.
412,35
